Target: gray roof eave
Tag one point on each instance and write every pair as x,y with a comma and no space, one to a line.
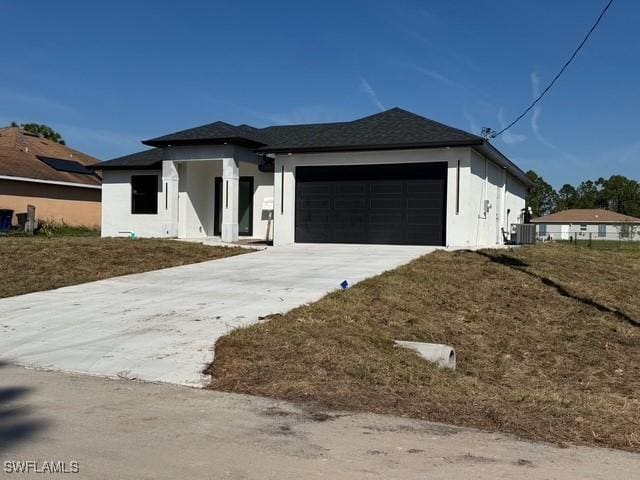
352,148
203,141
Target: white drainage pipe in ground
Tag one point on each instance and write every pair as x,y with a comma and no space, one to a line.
443,355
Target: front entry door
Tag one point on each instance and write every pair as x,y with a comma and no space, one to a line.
245,206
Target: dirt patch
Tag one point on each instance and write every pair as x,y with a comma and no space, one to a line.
300,416
32,264
531,360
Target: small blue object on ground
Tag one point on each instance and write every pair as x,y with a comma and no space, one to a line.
344,284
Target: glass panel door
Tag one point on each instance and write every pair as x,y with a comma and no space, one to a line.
245,206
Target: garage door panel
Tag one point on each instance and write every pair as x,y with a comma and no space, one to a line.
387,236
424,186
390,203
315,188
349,219
377,219
312,204
347,203
423,219
316,216
385,188
386,203
348,235
425,203
422,237
348,188
312,235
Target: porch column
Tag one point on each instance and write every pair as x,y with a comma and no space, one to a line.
169,206
230,195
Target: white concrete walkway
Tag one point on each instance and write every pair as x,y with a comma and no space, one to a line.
162,325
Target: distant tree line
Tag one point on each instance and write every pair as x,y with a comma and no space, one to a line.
617,193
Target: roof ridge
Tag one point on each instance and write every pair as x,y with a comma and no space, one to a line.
340,122
320,124
422,117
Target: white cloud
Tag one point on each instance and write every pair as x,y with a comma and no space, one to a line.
535,84
537,112
310,113
302,115
371,93
437,76
508,137
474,127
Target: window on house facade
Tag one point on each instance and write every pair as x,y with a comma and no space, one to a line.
602,231
583,228
144,194
542,230
625,231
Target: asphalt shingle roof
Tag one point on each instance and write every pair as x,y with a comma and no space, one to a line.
25,155
586,215
144,159
392,129
212,132
388,129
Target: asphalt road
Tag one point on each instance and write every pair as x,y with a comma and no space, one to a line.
124,429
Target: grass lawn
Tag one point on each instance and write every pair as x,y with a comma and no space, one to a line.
31,264
547,340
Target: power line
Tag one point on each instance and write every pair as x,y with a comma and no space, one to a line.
491,134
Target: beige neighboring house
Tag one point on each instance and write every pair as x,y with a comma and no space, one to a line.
52,177
585,223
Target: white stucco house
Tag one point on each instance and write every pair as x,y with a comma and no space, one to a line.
390,178
587,223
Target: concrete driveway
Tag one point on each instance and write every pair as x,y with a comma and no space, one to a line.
162,325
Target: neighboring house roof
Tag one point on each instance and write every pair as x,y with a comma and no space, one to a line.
586,215
392,129
25,156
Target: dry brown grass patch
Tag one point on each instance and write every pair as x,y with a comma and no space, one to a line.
532,361
31,264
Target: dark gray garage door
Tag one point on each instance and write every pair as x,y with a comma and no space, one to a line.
391,203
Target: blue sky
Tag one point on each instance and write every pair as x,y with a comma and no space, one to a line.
107,74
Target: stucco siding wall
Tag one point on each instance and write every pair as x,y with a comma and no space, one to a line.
467,225
262,189
197,169
196,198
461,226
516,192
117,219
72,205
506,195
